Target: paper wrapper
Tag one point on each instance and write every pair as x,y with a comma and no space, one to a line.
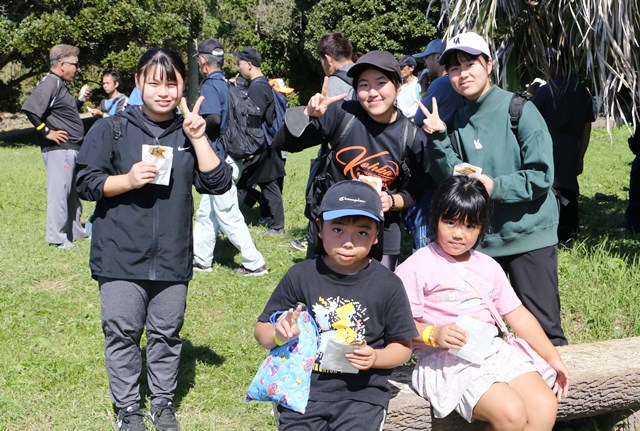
479,337
333,357
374,182
467,169
163,158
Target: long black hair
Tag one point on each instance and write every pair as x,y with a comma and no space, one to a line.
460,198
168,62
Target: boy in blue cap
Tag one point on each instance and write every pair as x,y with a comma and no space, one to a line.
353,299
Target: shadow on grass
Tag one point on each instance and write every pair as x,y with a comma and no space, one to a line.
191,356
602,220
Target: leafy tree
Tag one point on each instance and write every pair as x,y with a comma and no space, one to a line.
111,34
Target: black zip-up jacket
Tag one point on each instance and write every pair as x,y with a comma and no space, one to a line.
143,234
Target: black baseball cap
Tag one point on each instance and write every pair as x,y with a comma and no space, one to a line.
250,55
381,60
407,60
210,47
351,198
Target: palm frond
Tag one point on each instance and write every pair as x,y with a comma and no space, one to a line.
596,37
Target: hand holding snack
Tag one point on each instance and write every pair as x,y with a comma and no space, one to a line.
142,173
467,169
362,358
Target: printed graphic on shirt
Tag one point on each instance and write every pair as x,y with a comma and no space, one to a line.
340,319
355,161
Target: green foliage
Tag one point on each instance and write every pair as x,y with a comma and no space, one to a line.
111,34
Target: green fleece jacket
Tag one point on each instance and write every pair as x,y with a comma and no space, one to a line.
525,212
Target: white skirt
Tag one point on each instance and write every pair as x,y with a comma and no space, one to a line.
450,382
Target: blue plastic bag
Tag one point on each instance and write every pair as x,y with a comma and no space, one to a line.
285,375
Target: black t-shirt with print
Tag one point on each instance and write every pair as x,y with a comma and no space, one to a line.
370,305
369,148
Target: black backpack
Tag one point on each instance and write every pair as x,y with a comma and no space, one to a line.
243,137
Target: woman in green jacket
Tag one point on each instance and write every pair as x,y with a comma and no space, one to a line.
516,169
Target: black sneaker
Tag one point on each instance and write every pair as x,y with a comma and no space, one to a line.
299,244
163,416
241,270
131,419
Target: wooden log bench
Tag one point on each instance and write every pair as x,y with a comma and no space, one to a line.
605,379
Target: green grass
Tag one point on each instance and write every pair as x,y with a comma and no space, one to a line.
52,374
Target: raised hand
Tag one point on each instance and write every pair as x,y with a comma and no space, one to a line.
287,327
193,125
319,102
432,122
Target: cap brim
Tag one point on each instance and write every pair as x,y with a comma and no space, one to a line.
332,215
468,50
286,90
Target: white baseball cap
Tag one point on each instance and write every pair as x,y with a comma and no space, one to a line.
470,42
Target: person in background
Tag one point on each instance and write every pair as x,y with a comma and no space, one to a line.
336,57
220,213
632,213
448,280
54,112
449,101
353,299
416,218
410,89
267,167
567,108
115,100
335,53
141,248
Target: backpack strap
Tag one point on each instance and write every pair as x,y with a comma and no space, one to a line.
516,107
117,132
343,128
342,74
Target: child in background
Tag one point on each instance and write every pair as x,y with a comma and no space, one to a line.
141,247
504,388
352,297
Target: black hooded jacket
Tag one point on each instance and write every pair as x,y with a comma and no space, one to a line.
143,234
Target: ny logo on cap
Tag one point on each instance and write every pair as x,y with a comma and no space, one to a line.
456,41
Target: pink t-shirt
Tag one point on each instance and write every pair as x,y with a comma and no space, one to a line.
438,293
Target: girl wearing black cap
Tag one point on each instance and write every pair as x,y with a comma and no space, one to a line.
364,137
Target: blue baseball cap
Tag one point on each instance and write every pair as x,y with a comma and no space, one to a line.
351,198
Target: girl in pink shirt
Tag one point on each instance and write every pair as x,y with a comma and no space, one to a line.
443,282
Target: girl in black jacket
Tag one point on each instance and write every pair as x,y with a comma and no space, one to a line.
141,246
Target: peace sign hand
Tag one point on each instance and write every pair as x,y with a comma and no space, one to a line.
287,328
193,125
319,102
432,122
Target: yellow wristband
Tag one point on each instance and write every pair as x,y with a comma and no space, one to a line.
40,127
426,336
278,341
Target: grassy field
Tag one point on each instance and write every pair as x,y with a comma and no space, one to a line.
52,374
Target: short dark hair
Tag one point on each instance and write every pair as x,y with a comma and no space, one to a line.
114,75
460,198
375,252
335,45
